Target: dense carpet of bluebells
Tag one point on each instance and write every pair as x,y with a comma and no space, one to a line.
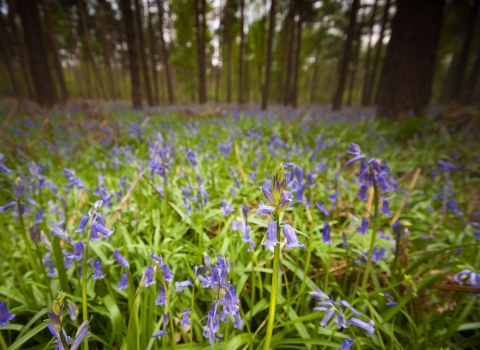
237,229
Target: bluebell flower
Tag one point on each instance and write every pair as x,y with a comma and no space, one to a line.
180,286
379,254
167,274
319,294
166,318
3,167
268,195
285,200
148,276
161,297
355,151
212,327
341,321
121,259
159,334
345,240
238,324
7,206
385,210
326,233
192,158
328,316
68,261
391,300
18,187
51,270
346,305
226,207
363,227
291,237
98,228
310,180
34,231
72,311
5,315
245,229
185,320
368,327
264,209
97,270
158,259
271,237
78,251
73,180
476,234
123,283
322,209
363,193
347,344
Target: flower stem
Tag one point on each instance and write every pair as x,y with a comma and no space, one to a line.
273,295
2,342
171,323
84,286
374,237
131,313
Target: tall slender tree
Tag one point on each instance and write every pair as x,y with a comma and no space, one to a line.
346,56
268,68
290,52
143,54
153,54
165,54
200,33
406,81
45,93
229,42
241,51
106,49
472,81
367,75
355,58
5,52
127,12
300,15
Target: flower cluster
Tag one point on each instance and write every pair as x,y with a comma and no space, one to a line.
242,226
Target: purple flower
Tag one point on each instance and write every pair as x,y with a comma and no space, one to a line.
362,194
226,207
158,258
319,294
347,344
98,228
291,237
264,209
121,259
192,158
180,286
51,270
328,316
18,187
5,315
322,209
368,327
379,254
310,180
97,270
355,151
271,240
341,321
212,327
123,283
148,276
363,227
159,334
167,274
82,224
345,240
72,311
161,297
3,166
326,233
268,195
78,251
7,206
185,320
391,300
242,227
385,210
285,200
346,305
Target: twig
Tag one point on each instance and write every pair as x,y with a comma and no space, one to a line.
453,288
145,122
405,200
124,200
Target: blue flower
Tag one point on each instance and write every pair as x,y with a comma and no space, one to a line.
121,259
346,305
180,286
322,209
3,167
123,283
271,240
385,210
51,270
242,227
161,297
285,200
391,300
167,274
212,327
291,237
368,327
347,344
185,320
226,207
98,228
328,316
326,233
97,270
78,251
5,315
264,209
159,334
7,206
363,227
148,277
319,294
345,240
355,151
268,195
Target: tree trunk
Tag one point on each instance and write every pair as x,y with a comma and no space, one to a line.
228,38
200,32
294,98
456,85
143,54
376,61
153,54
337,100
354,65
57,65
406,81
88,40
106,48
313,92
8,60
240,54
366,77
21,48
291,53
127,12
164,51
40,70
472,81
271,27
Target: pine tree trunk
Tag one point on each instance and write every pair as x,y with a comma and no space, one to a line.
240,54
268,68
153,55
376,61
127,12
106,48
21,48
200,21
57,65
5,52
88,40
366,77
45,93
294,98
143,54
406,81
228,38
472,81
354,65
291,53
164,51
456,85
313,92
347,51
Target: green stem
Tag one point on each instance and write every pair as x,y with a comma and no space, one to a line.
253,280
328,268
171,323
374,237
273,295
132,311
193,313
84,288
2,342
63,340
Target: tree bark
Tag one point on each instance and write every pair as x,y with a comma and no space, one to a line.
106,48
294,98
240,54
354,65
376,61
45,94
228,38
164,51
88,40
57,65
200,33
21,48
127,12
8,60
456,85
405,84
291,53
268,68
366,77
337,100
472,81
313,92
153,54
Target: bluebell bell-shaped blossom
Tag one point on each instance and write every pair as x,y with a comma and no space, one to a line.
271,236
363,193
123,283
391,300
63,235
355,151
158,259
68,259
379,254
328,316
166,318
226,207
268,195
299,197
78,249
311,182
72,311
384,185
446,166
363,227
326,233
161,297
245,229
5,315
212,327
18,188
344,240
97,270
34,231
341,321
101,229
469,277
322,209
159,334
180,286
319,294
368,327
148,276
291,237
185,318
225,148
385,210
346,305
121,259
264,209
347,344
285,200
46,258
7,206
3,167
192,158
167,274
73,180
238,324
230,304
